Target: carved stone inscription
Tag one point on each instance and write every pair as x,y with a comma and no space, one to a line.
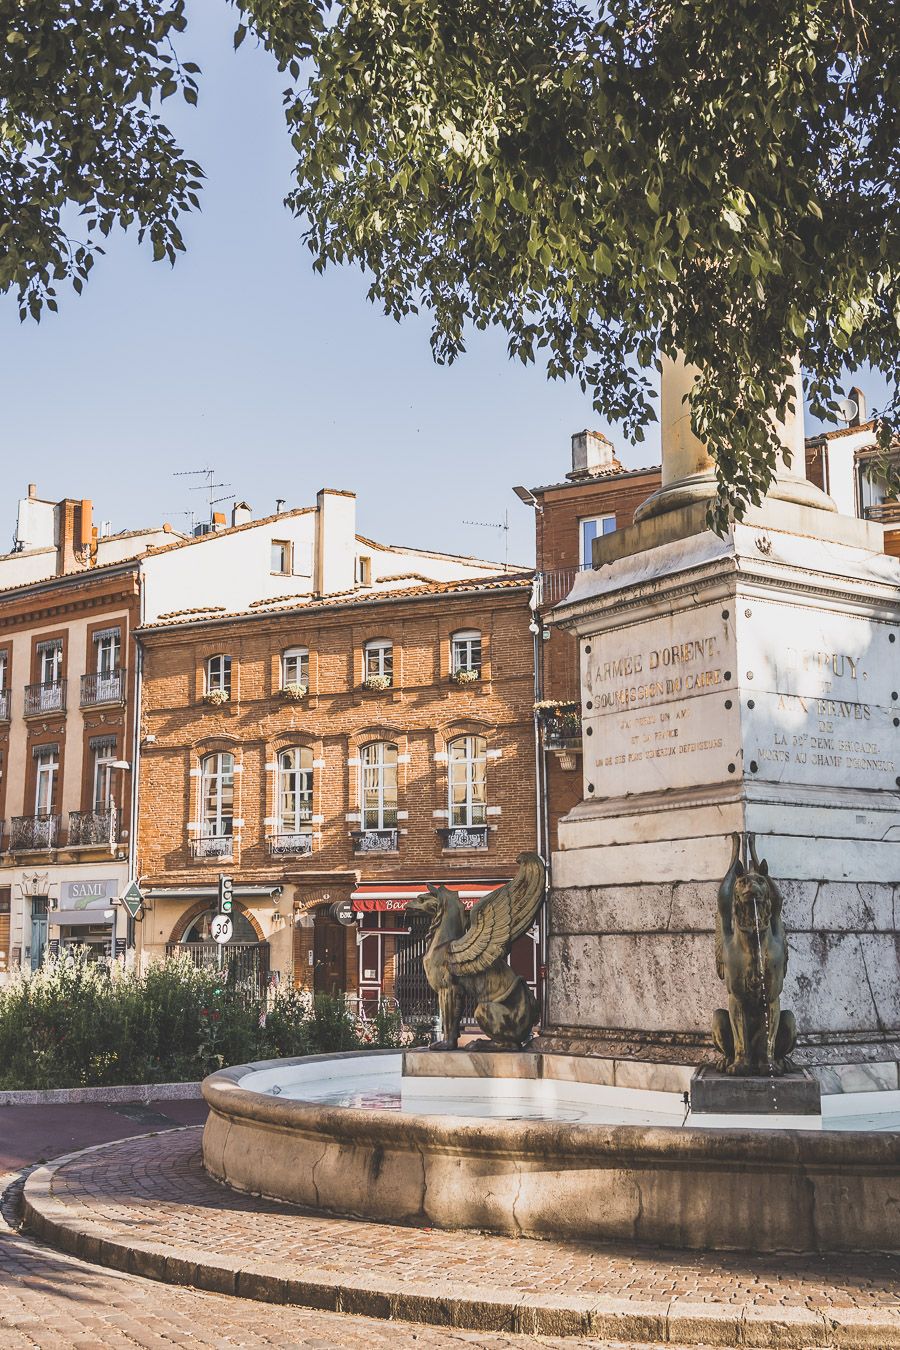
819,697
658,715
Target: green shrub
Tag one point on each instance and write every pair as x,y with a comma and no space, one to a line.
78,1023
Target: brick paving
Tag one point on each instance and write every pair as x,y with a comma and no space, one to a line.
156,1190
50,1301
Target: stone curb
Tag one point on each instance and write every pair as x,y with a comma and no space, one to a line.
129,1092
452,1304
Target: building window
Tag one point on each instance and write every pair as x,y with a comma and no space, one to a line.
218,675
104,756
281,557
50,659
467,781
378,785
46,777
107,648
592,529
465,652
363,570
378,661
217,795
295,667
295,776
4,669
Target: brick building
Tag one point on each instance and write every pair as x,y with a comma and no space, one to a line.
337,748
69,601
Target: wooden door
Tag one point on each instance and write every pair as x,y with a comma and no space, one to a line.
329,952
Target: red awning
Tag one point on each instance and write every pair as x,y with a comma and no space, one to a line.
394,896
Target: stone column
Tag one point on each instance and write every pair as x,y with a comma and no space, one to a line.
688,469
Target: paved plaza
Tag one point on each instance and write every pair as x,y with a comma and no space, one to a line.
147,1204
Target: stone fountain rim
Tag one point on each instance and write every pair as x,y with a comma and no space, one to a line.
857,1150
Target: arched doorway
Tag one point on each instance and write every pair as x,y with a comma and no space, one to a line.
329,953
245,959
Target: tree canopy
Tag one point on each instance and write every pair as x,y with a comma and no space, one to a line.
601,180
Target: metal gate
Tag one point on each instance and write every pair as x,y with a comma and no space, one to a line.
415,995
244,964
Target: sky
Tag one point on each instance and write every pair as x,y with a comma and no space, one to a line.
241,359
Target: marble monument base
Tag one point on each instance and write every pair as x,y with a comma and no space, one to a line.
745,684
790,1094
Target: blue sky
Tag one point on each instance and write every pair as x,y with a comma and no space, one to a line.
242,359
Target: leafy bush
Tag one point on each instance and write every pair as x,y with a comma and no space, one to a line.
78,1023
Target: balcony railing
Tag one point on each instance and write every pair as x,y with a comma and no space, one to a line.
887,513
288,845
464,836
103,688
45,698
212,846
93,827
561,727
551,587
4,705
33,833
2,833
374,841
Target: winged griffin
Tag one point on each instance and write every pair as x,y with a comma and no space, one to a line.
467,953
754,1036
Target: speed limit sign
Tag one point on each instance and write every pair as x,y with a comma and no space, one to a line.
221,929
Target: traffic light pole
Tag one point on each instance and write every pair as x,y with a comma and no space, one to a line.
226,900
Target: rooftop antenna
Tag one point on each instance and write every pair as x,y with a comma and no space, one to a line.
496,525
209,486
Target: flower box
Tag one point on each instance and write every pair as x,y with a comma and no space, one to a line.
466,676
294,691
378,682
216,697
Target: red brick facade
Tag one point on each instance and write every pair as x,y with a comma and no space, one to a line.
421,713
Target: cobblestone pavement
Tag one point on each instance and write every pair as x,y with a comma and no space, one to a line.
155,1190
30,1134
49,1301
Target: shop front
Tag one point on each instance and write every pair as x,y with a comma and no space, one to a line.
51,908
177,921
391,944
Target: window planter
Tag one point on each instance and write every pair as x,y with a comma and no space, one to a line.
294,692
465,676
378,682
215,698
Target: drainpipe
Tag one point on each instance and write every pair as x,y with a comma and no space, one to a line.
542,835
136,754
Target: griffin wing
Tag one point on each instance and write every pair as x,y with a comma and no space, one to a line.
499,918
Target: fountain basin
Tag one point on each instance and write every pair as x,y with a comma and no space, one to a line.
722,1188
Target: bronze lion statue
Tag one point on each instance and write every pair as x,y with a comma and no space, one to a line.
754,1036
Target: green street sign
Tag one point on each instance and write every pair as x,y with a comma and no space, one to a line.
133,898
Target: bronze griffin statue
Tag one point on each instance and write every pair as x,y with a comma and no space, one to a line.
754,1036
467,953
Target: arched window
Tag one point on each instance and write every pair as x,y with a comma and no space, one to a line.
295,775
378,785
217,795
198,930
467,781
465,651
218,674
295,667
378,660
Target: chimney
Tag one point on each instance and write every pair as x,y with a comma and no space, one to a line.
592,454
862,412
335,541
75,536
32,491
218,520
241,512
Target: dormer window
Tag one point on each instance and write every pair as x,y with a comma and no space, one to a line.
363,570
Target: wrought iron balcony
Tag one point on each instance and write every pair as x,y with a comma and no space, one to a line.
553,586
374,841
4,705
103,688
45,698
561,726
212,846
93,827
464,836
33,833
287,845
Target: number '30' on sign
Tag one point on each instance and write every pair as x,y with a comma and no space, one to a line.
221,928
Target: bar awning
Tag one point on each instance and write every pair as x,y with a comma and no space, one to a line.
94,913
394,896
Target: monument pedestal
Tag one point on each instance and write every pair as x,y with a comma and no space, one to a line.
749,683
792,1094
